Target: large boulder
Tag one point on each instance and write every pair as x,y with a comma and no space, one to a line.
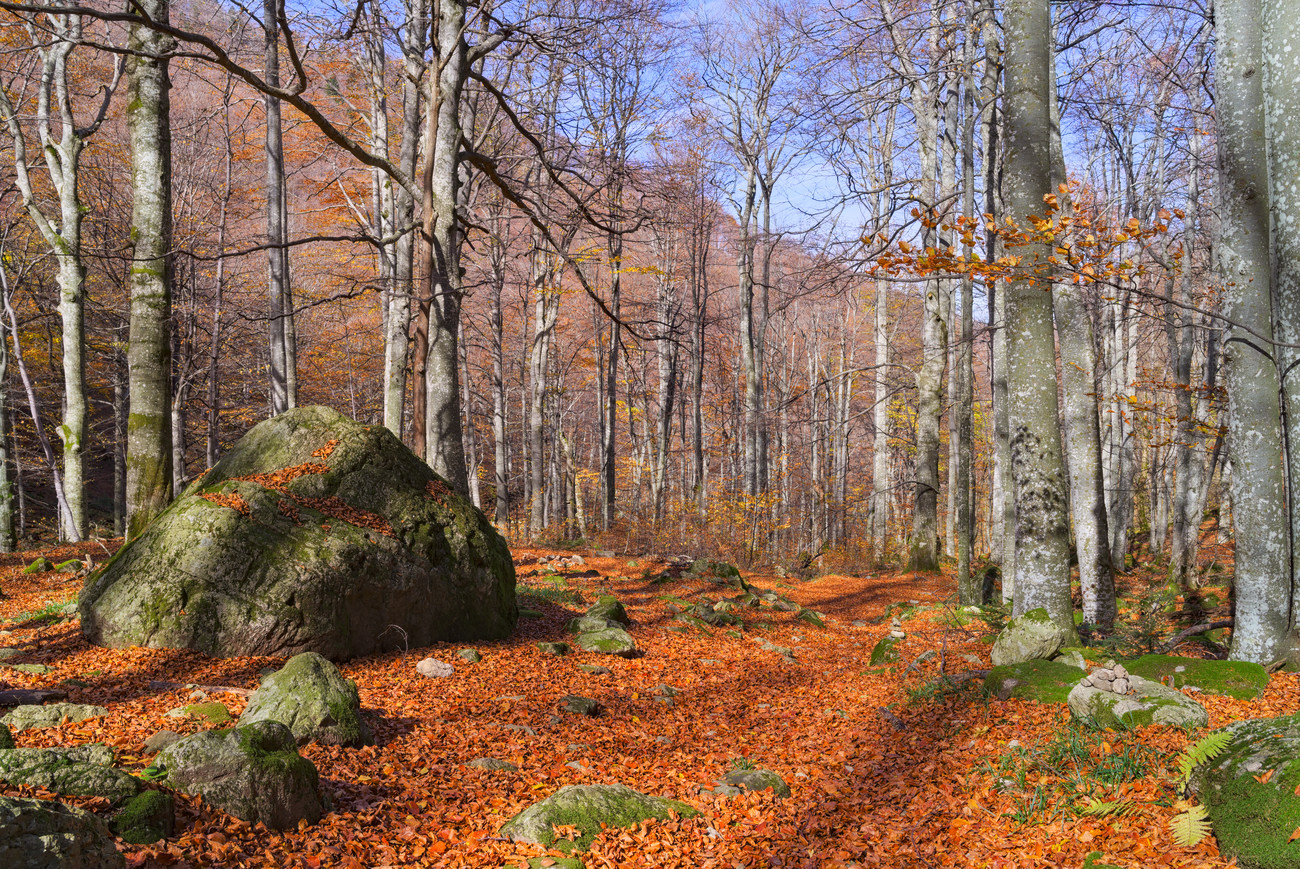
1027,637
314,533
1250,790
253,772
313,699
39,834
590,808
1145,703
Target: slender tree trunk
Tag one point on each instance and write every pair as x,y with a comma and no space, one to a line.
7,537
148,452
970,591
276,221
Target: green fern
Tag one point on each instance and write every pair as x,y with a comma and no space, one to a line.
1200,752
1190,826
1103,808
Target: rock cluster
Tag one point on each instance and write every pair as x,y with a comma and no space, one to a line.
559,562
1114,679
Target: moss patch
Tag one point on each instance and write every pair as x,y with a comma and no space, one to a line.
1040,681
145,818
1240,679
213,713
590,808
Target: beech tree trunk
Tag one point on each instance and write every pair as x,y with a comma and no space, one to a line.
1262,573
148,445
1037,468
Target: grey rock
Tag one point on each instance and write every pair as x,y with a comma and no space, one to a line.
589,808
1026,637
607,607
314,700
432,668
557,649
378,541
161,740
22,718
39,834
253,772
492,764
1150,703
470,655
593,670
578,705
32,669
610,641
9,652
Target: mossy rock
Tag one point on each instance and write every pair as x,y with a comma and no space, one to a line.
1241,679
885,651
1040,681
40,834
22,718
72,565
214,713
6,738
313,699
590,808
32,669
314,533
145,818
40,565
65,772
1253,820
607,607
812,617
1027,637
557,649
1150,703
610,641
708,568
253,772
757,780
587,624
472,656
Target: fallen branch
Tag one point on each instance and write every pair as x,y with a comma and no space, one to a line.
207,689
30,697
1182,636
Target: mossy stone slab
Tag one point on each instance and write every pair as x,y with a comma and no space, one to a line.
609,641
1040,681
607,607
1253,820
22,718
1241,679
590,808
59,771
41,833
758,780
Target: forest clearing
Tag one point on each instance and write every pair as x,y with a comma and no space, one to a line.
887,765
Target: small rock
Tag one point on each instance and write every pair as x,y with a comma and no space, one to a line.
602,553
590,808
898,635
557,649
432,668
491,764
577,705
664,690
859,623
577,747
593,670
520,728
32,669
9,652
311,697
1120,686
470,655
161,740
577,560
758,780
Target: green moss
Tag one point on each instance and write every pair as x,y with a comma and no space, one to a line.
1252,820
885,651
40,565
1040,681
6,738
1090,861
1240,679
213,712
590,809
144,819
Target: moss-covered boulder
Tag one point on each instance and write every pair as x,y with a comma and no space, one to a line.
590,808
1146,703
40,834
314,533
1241,679
32,717
608,641
253,772
1253,819
6,738
1028,637
1040,681
145,818
40,565
608,608
64,772
313,699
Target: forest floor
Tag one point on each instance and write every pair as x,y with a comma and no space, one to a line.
889,765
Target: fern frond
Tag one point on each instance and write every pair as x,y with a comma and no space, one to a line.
1190,826
1102,808
1199,752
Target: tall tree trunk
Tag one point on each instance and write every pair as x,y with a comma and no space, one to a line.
1037,469
277,235
7,537
1263,577
970,591
148,450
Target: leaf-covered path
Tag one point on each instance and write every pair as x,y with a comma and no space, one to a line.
884,771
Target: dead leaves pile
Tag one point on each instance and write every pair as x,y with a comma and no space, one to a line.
865,793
